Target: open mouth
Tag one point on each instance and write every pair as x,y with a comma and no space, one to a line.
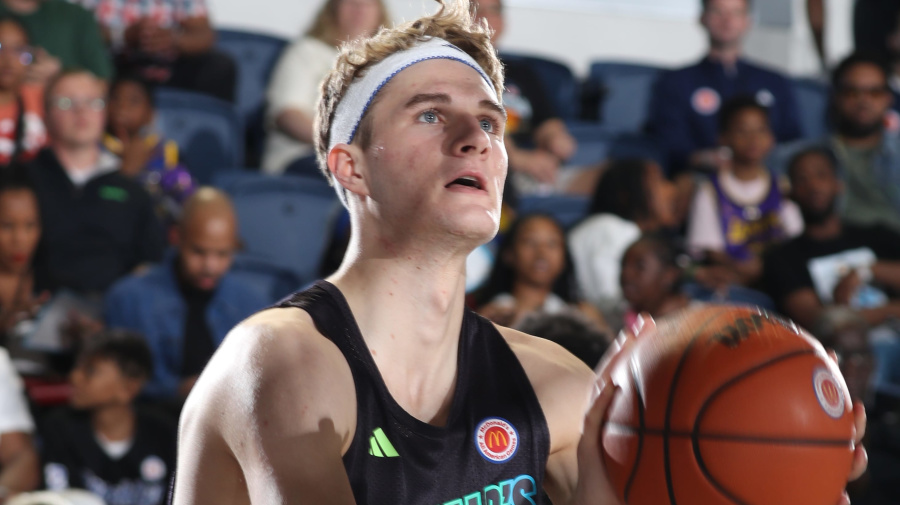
467,181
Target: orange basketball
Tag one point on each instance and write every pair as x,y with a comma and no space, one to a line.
728,406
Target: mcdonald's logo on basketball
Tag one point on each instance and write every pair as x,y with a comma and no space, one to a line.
496,439
828,393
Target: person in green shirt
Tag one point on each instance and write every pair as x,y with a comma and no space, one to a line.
67,35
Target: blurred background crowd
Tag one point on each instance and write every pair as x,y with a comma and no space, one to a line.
158,185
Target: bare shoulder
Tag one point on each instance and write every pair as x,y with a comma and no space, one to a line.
563,384
274,376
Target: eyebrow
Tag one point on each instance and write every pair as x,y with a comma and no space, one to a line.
445,98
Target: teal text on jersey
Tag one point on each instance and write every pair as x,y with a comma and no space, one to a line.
518,491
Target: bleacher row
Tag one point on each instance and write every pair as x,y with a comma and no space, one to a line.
285,221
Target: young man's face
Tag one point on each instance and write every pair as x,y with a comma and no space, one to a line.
436,161
98,382
726,21
77,112
129,109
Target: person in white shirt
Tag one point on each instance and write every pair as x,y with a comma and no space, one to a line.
295,86
19,471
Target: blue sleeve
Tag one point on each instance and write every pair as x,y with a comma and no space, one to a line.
670,123
122,309
788,127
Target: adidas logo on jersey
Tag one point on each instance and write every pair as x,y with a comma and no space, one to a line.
380,446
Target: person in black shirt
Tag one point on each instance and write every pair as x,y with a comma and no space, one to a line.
105,444
832,262
98,225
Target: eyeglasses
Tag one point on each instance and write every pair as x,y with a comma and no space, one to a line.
68,103
858,92
23,53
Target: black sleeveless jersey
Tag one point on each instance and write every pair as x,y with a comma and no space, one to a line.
495,444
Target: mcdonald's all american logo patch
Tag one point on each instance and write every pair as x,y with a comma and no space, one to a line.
706,101
828,392
496,440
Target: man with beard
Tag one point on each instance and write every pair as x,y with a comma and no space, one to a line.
185,305
833,262
868,158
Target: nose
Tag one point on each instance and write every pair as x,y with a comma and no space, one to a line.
469,138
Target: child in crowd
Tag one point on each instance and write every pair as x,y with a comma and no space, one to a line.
651,278
20,231
741,210
145,153
532,273
105,445
22,132
632,197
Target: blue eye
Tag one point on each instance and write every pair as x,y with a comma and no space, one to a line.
429,116
487,125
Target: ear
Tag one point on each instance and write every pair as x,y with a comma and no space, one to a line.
347,165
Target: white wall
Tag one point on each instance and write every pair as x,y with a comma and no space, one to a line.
578,31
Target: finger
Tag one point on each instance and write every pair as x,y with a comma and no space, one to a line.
833,355
845,499
595,414
860,463
859,419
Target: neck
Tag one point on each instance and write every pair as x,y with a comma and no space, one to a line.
828,229
747,171
867,142
114,423
408,301
530,297
76,157
727,55
669,304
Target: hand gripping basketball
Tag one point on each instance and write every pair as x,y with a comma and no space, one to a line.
734,465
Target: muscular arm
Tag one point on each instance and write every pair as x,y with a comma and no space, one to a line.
274,409
19,462
565,388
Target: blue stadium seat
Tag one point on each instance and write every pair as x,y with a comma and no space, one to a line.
270,279
626,89
596,144
812,100
567,209
557,79
284,221
255,55
208,131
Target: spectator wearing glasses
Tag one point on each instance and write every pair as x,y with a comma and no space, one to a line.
98,224
20,103
868,158
65,36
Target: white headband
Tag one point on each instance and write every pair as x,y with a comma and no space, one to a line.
356,101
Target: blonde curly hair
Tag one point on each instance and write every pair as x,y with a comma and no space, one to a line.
453,22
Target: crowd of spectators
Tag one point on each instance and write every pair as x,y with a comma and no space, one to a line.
118,269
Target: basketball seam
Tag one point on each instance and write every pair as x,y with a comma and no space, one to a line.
695,439
728,437
638,387
669,405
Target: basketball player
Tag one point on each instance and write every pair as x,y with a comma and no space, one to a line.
378,386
